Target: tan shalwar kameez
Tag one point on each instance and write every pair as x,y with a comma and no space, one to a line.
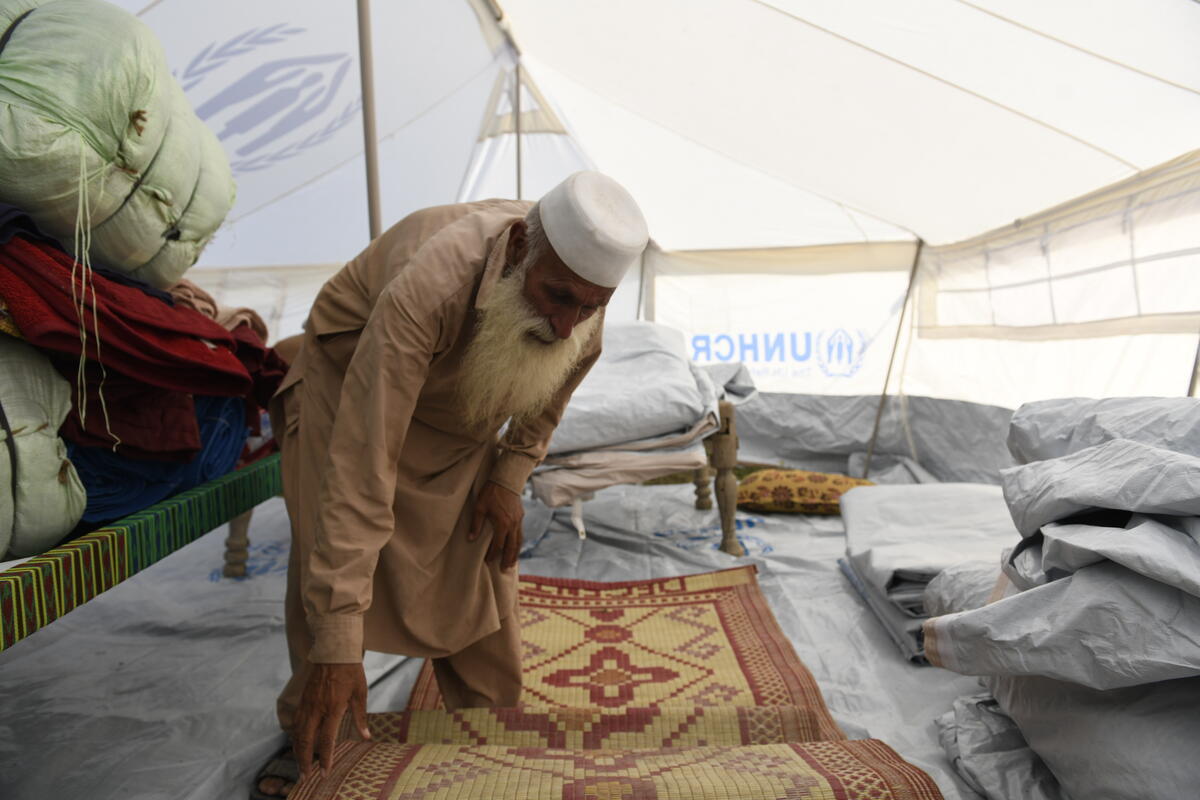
380,470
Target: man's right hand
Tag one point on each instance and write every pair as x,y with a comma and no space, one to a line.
329,691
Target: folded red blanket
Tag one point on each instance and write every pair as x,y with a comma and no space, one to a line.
135,334
143,421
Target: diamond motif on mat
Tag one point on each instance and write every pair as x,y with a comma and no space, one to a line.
531,650
530,616
450,773
714,694
610,789
695,647
610,677
649,641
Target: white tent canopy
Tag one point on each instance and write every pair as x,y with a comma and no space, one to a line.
787,153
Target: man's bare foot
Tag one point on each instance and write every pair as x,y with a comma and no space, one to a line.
278,776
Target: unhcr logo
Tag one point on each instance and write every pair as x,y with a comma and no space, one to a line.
837,352
745,347
266,109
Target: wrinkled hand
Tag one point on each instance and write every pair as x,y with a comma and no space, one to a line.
503,509
330,689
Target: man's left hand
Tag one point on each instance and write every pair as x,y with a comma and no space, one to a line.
503,509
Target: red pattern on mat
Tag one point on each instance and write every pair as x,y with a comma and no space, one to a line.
770,671
863,769
670,689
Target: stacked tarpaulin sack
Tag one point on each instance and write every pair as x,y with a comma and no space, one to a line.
109,188
98,142
1091,653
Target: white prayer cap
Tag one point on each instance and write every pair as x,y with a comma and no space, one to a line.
595,227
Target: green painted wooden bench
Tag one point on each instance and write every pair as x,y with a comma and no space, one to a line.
38,591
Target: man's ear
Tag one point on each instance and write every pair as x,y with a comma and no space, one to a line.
517,245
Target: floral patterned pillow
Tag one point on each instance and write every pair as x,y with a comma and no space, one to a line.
796,491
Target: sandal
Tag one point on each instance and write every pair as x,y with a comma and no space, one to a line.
282,767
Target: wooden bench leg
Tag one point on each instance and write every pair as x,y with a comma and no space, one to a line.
702,477
724,459
237,546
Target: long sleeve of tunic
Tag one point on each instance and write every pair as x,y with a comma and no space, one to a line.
378,398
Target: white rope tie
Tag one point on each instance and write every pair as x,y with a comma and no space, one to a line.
81,264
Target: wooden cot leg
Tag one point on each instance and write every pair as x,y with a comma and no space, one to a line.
237,546
703,480
724,459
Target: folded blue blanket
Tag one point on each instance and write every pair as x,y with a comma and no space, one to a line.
118,486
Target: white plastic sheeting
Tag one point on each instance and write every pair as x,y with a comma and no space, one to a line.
1135,742
1120,474
952,441
1055,428
1108,574
184,666
991,755
900,537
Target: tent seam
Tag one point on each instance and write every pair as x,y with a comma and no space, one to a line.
729,157
939,79
1080,49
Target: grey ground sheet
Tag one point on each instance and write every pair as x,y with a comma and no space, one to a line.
164,687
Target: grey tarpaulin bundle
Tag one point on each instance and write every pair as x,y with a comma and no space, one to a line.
1095,649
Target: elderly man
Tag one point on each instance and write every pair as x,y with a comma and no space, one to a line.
405,505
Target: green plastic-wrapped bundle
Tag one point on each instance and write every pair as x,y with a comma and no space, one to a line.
97,139
49,497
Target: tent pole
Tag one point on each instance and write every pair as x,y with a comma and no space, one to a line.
912,277
1195,373
517,117
366,66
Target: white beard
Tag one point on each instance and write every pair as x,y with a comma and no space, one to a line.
516,364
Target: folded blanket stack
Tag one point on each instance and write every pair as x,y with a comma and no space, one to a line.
1094,650
642,412
157,397
118,486
110,187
